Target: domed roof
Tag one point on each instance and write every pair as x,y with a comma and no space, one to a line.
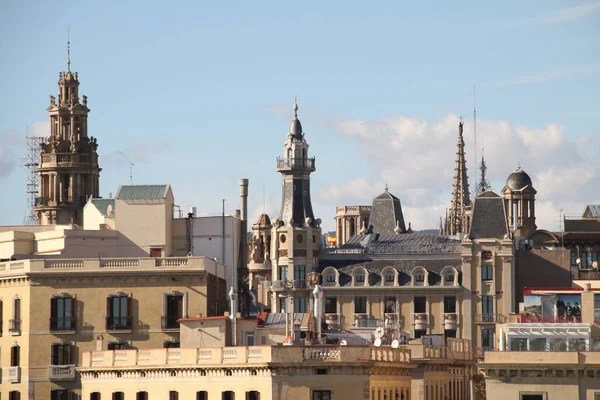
518,180
295,125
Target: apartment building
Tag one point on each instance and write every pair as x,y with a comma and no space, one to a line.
550,350
53,310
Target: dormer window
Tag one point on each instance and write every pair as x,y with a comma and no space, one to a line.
360,278
331,278
449,277
389,277
419,278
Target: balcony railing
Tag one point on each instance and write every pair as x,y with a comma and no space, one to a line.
13,374
300,163
63,324
490,318
288,285
170,322
548,319
298,284
118,323
61,372
66,158
14,326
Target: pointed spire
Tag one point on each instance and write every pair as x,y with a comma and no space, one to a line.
295,108
68,49
386,187
456,221
483,184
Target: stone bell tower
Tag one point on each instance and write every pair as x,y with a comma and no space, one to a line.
68,170
295,235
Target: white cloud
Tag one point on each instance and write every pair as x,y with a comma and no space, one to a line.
417,158
566,14
551,74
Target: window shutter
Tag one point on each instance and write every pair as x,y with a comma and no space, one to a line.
73,313
54,355
180,306
53,308
69,355
108,308
129,316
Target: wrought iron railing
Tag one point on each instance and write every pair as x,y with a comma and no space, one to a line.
490,318
63,324
284,162
548,319
118,323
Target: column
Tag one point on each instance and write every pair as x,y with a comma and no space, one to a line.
56,188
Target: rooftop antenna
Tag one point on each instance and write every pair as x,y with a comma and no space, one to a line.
131,165
475,130
69,49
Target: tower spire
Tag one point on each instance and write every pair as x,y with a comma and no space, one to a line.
483,184
69,49
457,221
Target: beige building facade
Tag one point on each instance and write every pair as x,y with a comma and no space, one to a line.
53,310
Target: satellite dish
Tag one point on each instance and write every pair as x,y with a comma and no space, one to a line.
395,344
377,342
344,342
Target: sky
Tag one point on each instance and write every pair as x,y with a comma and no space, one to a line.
199,95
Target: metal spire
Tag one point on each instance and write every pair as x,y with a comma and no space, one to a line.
483,184
69,49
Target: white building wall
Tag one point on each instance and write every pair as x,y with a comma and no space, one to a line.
207,241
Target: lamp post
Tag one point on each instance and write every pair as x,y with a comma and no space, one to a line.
318,294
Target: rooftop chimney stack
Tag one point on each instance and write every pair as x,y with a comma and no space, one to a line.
242,278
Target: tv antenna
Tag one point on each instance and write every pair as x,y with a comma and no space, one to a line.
131,165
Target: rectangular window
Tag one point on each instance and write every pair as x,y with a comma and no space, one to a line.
420,332
15,356
299,304
202,395
62,314
321,395
330,277
228,395
118,312
487,338
360,305
537,344
532,396
449,277
253,395
299,273
449,304
518,344
95,396
118,396
171,344
61,354
389,277
14,395
15,323
250,339
61,394
419,278
389,304
487,273
173,395
487,305
360,278
118,346
141,396
330,305
451,333
420,305
174,311
283,302
283,273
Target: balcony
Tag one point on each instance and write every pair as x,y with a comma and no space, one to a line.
65,159
450,320
332,319
13,374
63,324
14,326
548,319
420,320
118,323
170,322
289,285
298,284
284,163
489,318
61,372
279,285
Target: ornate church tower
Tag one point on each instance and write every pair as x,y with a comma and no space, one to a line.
458,219
296,235
68,170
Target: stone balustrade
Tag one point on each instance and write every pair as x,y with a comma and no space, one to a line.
242,355
102,264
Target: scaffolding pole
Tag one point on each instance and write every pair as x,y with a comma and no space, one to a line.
31,164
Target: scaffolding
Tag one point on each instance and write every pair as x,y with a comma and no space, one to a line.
31,164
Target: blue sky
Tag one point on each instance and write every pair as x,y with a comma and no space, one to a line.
199,95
